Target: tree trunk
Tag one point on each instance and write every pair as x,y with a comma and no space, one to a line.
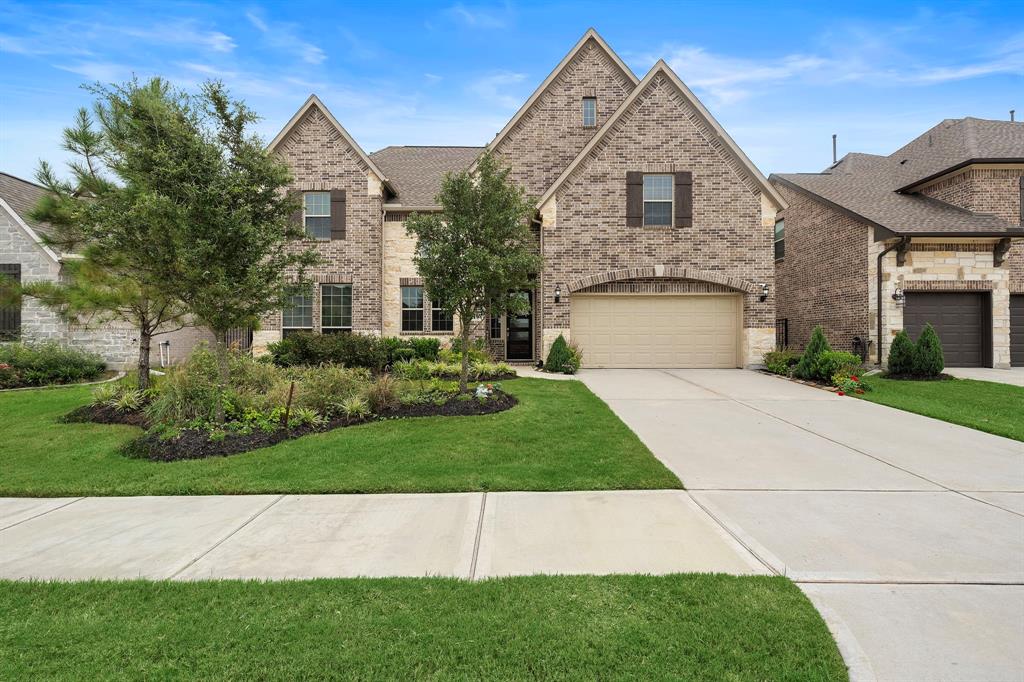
464,374
145,342
223,373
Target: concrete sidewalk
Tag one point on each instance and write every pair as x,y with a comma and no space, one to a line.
1013,376
466,535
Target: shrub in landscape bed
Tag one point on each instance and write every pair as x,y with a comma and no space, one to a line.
420,370
562,358
781,361
901,355
928,359
833,362
42,364
351,350
807,367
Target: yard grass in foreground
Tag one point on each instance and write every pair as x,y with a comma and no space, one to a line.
983,405
560,437
693,627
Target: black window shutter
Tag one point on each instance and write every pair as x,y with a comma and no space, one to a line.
337,214
10,315
634,198
684,199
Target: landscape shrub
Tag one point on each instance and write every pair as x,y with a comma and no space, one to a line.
42,364
403,355
382,394
479,370
562,358
350,350
928,359
478,351
324,388
780,361
426,348
807,367
399,349
901,355
833,362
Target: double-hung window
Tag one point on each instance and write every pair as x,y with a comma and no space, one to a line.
335,308
780,239
412,309
440,319
495,326
589,112
658,190
297,316
316,214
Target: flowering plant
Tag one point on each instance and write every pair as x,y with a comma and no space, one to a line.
849,383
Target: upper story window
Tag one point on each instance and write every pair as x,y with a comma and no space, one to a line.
589,112
316,214
297,316
335,308
412,309
658,190
780,239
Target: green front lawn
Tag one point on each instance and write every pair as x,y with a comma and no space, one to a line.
560,437
983,405
692,627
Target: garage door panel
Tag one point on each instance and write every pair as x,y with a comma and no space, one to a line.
1017,330
959,319
656,331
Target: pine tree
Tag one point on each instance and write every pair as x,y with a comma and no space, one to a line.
901,355
928,358
807,368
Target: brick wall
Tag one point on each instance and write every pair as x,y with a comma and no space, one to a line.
585,233
321,160
550,135
823,278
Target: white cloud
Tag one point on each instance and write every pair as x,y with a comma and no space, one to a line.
481,17
495,89
284,36
432,78
104,72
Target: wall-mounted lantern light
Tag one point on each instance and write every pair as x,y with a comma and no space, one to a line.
898,295
764,293
558,293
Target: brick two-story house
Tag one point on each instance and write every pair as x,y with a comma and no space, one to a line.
654,227
931,233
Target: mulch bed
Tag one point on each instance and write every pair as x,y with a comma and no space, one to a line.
196,444
104,414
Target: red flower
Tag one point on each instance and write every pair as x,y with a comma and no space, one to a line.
840,393
855,378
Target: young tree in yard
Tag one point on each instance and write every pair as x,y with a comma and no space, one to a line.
477,251
229,216
115,274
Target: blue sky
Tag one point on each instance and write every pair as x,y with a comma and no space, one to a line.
781,78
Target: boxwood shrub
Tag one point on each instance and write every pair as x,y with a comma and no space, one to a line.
42,364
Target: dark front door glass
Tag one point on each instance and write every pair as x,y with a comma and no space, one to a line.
519,333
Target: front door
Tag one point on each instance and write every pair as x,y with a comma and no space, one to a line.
519,339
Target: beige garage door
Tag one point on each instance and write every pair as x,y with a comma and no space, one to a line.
656,331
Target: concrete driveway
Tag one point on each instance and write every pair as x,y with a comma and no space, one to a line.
906,532
1013,376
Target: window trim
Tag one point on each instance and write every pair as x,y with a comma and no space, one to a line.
671,201
335,328
411,309
586,100
777,241
292,328
305,226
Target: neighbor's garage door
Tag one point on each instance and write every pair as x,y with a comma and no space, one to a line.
656,331
961,320
1017,330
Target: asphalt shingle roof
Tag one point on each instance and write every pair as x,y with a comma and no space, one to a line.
22,196
416,172
868,185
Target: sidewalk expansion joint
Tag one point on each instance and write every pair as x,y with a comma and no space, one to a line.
476,539
44,513
225,538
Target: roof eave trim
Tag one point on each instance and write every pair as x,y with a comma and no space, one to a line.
953,169
886,232
591,33
313,100
32,234
662,67
402,208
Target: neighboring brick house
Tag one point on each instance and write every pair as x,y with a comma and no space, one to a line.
655,228
944,214
25,258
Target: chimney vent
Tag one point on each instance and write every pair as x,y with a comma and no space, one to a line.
833,149
1011,114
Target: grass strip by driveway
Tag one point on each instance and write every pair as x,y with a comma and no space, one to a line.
982,405
560,437
693,627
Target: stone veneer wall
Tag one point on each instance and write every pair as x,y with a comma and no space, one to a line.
321,160
824,277
943,265
550,135
584,232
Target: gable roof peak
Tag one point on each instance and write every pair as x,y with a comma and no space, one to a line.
662,67
314,101
590,35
